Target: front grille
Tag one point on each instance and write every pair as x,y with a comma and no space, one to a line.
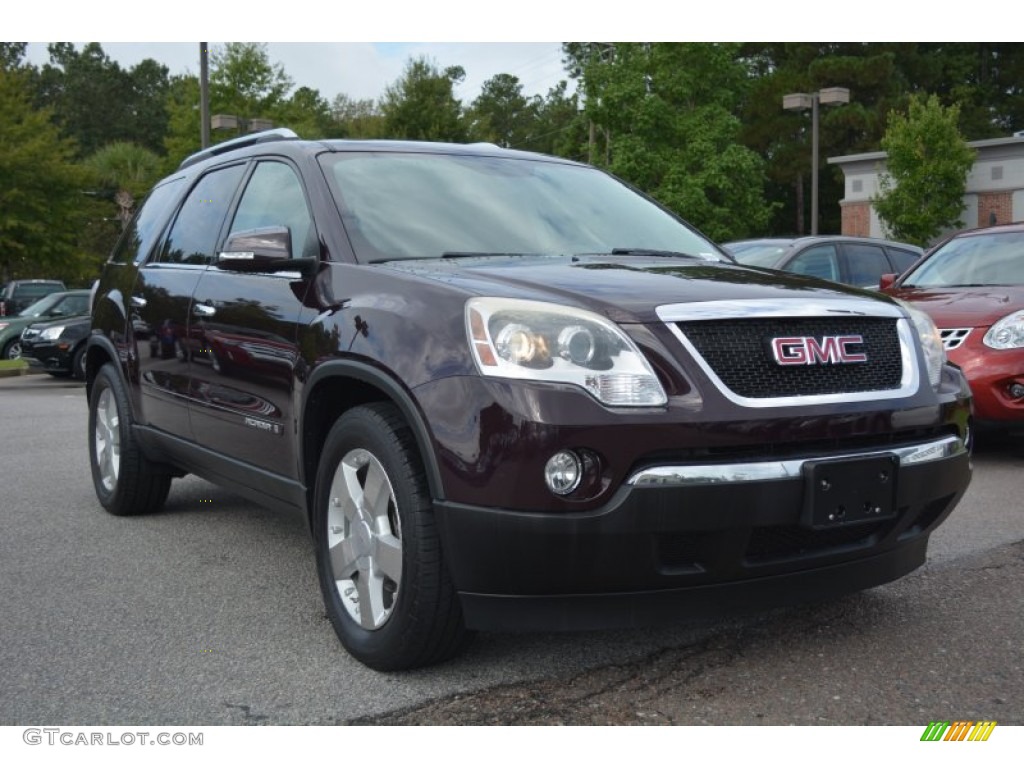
739,352
954,337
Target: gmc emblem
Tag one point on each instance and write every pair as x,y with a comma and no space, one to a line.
807,350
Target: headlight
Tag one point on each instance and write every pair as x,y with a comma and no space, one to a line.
931,342
52,333
519,339
1007,333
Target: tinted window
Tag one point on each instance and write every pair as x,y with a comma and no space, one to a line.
144,228
193,236
273,198
902,260
864,263
36,290
72,305
816,261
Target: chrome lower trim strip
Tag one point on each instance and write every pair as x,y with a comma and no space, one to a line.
761,471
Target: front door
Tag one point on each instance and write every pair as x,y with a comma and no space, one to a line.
245,327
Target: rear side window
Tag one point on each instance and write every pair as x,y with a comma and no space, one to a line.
902,260
865,263
193,236
816,261
138,238
36,290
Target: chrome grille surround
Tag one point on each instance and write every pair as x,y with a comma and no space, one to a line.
710,311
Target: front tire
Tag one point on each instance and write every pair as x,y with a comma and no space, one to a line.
127,483
12,350
382,572
78,364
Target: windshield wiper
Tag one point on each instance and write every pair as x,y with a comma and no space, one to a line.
662,254
479,254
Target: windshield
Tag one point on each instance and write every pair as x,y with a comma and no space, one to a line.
763,255
419,206
990,259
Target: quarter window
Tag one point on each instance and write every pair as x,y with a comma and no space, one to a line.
817,261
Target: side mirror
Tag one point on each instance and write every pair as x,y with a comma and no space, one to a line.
257,250
886,281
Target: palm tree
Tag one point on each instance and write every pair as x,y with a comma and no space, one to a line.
128,169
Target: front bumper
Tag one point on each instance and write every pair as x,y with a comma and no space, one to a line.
991,373
677,542
51,355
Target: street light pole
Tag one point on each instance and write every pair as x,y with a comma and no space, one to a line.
798,102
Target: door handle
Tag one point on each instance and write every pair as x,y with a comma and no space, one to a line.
203,310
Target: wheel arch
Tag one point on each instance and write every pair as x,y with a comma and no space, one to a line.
338,385
99,351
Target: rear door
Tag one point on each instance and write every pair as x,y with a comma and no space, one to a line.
162,297
864,264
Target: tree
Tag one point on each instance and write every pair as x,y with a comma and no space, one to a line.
927,165
95,101
421,104
558,127
357,118
502,114
183,135
41,202
245,84
664,120
127,171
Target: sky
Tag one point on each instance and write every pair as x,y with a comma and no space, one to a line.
362,70
342,47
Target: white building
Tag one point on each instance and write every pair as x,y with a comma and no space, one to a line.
994,194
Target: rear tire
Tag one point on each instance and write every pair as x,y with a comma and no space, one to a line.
382,572
127,483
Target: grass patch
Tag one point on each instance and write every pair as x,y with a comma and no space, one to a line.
12,367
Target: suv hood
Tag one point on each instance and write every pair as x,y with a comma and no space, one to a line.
624,289
964,307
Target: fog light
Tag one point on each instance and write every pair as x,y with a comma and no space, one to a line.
1017,390
563,473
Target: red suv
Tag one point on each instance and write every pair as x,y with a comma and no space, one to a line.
972,285
510,392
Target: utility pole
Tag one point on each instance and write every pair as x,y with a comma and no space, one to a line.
204,94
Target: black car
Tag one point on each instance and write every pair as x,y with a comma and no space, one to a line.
858,261
509,392
58,346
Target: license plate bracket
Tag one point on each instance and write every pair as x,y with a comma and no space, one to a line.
840,492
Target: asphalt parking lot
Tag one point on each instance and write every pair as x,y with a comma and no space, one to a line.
209,613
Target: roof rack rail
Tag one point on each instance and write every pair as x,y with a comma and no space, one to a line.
274,134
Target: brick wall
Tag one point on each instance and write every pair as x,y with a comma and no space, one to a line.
988,202
857,219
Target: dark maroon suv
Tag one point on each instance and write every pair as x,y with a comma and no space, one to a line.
511,393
